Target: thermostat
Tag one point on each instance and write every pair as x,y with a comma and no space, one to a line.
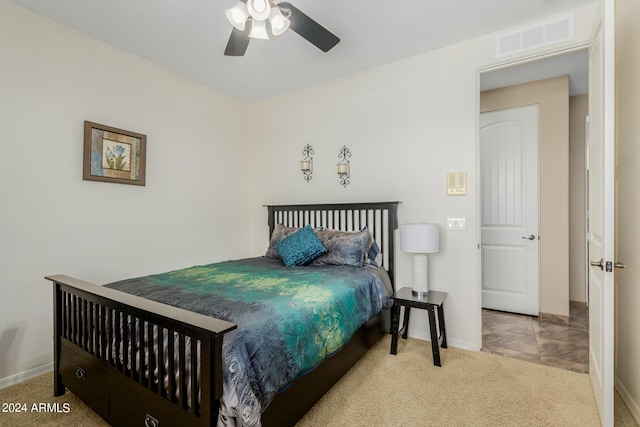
457,184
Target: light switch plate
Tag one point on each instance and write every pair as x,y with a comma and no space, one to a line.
456,223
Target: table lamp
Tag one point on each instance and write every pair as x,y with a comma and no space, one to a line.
420,239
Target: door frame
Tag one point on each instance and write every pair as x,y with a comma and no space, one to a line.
481,70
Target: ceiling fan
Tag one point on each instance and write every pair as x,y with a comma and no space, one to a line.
280,16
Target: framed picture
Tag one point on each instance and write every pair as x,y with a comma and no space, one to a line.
113,155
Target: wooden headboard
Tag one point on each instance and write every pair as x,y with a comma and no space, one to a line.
380,217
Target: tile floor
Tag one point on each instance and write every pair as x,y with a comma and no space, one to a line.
540,341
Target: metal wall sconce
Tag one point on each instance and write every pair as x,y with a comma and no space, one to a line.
344,168
306,164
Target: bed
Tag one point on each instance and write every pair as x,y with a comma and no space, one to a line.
136,361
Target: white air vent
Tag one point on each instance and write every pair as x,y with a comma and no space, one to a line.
535,36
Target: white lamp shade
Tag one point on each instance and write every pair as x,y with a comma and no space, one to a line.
279,24
258,30
259,9
237,15
419,238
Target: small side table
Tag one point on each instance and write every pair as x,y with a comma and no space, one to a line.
432,301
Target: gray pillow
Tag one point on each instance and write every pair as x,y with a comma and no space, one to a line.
279,233
343,247
374,256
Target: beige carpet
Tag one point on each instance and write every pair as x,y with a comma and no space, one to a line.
471,388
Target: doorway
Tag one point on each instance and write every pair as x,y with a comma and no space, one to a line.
555,191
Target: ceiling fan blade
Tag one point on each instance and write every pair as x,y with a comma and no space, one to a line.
238,42
309,29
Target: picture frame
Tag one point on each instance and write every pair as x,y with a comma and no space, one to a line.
113,155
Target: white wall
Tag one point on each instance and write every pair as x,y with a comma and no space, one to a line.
578,109
53,78
628,204
407,124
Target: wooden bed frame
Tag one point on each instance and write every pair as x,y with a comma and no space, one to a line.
87,317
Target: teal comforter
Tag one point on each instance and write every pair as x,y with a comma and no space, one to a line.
289,319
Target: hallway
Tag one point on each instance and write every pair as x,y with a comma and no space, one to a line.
539,341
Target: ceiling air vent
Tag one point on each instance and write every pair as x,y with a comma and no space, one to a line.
535,36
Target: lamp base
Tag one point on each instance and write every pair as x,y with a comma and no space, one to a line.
420,275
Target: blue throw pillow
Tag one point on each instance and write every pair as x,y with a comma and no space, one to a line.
300,248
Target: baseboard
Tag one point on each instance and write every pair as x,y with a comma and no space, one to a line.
25,375
462,345
626,397
578,304
556,318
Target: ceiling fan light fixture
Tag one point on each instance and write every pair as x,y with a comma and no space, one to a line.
279,24
237,15
282,16
258,30
259,9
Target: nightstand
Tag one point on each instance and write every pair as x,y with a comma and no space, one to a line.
433,303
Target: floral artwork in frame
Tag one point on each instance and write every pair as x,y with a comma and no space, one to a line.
113,155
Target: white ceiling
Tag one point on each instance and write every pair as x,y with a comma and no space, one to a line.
189,36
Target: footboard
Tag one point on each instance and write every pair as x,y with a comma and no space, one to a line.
136,361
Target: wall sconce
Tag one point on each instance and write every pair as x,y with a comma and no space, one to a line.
344,168
306,164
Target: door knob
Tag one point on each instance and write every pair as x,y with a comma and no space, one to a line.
598,264
529,237
619,264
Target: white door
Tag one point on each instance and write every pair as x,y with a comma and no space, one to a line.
509,220
601,211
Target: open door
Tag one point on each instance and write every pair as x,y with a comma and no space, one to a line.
601,210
